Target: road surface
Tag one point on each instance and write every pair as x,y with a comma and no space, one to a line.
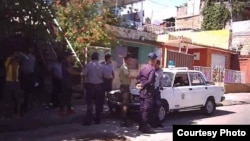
110,130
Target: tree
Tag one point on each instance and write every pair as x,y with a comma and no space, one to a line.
238,8
215,16
28,17
85,23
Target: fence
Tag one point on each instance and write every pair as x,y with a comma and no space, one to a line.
218,74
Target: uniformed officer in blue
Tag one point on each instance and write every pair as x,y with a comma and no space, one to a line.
155,121
94,77
146,79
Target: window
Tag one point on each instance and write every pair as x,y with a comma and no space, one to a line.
196,79
134,51
181,79
167,79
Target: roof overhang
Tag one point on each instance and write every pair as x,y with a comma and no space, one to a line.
114,3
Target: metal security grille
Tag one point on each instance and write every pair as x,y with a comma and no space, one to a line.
180,59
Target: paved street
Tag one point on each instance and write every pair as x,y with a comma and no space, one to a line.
110,130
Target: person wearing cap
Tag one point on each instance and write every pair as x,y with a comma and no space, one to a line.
146,79
125,82
67,72
155,121
94,79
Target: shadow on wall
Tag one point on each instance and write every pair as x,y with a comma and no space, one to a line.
235,63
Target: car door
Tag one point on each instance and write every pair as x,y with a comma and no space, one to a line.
199,88
182,90
167,92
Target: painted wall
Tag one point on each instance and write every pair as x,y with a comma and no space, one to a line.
245,67
218,52
200,56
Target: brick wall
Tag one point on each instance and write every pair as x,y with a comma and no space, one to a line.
189,22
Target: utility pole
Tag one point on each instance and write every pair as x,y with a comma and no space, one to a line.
142,13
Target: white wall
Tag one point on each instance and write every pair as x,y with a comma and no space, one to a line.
218,60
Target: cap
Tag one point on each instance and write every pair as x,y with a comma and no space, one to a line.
152,55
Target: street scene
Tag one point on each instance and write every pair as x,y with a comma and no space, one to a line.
232,111
121,70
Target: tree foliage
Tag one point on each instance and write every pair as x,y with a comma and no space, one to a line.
85,23
215,16
28,17
238,7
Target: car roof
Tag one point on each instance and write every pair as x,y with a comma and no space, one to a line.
178,69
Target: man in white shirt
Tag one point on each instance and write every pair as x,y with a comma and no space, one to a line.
155,122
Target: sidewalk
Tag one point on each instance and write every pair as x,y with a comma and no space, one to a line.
43,118
236,99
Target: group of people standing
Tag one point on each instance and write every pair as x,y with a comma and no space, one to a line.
98,81
20,83
98,78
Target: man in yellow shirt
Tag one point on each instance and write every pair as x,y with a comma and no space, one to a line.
13,97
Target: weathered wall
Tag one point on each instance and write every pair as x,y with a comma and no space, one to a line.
189,22
241,36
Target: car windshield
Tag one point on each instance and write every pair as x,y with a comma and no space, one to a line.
167,79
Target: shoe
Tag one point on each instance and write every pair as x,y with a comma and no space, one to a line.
146,129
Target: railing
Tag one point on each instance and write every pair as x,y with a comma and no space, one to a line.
218,74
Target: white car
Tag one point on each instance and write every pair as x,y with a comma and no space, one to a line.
183,89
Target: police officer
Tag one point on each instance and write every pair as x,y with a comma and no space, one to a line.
94,77
155,121
146,79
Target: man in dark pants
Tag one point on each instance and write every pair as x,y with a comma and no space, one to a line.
27,76
125,80
146,79
56,76
67,72
108,73
155,122
94,75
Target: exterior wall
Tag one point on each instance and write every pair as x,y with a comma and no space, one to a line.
188,16
201,57
189,22
117,52
226,54
245,67
182,11
241,36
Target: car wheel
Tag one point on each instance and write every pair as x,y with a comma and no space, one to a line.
209,107
163,111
